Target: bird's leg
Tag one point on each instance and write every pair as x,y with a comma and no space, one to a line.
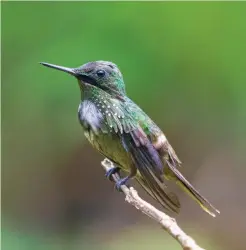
121,182
124,180
112,171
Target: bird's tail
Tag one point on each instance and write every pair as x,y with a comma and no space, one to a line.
175,175
160,193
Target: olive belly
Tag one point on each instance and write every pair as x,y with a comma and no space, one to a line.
110,146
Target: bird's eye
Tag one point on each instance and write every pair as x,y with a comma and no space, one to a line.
100,73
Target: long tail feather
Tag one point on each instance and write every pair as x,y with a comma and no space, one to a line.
189,189
158,195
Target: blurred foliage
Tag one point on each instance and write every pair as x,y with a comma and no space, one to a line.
184,63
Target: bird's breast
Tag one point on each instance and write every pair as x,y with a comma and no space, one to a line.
89,116
105,140
110,146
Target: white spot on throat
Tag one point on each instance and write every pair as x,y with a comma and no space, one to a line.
89,114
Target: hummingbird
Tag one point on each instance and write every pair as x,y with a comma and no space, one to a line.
121,131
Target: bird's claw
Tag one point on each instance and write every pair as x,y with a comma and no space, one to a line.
111,171
121,182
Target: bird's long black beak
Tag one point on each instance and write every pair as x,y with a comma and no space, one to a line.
71,71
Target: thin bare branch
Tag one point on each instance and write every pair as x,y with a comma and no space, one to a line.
168,223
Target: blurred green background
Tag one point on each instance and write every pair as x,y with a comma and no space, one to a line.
183,63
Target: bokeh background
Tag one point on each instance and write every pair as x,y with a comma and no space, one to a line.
183,63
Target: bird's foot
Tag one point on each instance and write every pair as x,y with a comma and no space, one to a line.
111,171
121,182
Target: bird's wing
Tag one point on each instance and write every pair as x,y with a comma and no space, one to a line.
168,156
155,135
150,167
128,121
161,143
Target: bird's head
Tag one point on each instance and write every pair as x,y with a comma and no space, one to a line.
98,75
